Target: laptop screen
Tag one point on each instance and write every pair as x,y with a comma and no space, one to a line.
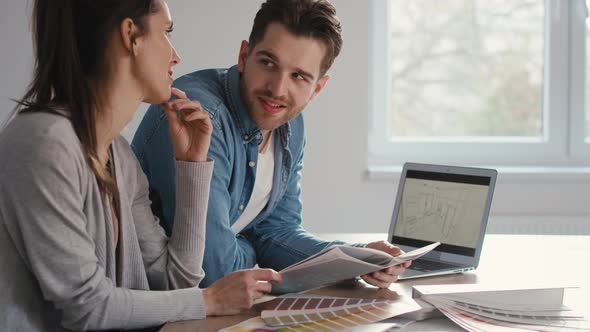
442,207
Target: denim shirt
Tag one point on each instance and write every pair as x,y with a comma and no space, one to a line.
275,238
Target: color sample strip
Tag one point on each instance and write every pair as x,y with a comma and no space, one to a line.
343,322
299,304
286,304
313,309
312,304
347,321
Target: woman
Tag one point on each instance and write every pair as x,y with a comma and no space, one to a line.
79,247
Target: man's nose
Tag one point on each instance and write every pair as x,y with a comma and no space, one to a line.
278,85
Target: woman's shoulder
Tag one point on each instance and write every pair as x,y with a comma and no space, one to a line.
35,125
39,134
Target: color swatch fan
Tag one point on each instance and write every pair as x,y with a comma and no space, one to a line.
313,313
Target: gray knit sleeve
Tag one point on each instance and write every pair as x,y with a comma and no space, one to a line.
176,262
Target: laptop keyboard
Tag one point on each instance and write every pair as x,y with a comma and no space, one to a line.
427,266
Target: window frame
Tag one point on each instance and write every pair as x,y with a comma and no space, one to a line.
564,113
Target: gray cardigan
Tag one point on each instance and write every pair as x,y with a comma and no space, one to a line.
58,269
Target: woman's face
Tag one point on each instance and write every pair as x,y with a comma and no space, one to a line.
156,57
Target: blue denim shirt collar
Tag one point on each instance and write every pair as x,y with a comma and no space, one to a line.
239,111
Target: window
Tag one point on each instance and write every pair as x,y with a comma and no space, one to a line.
587,85
480,82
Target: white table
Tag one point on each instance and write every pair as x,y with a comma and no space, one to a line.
506,260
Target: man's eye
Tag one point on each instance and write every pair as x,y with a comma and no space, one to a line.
298,76
267,63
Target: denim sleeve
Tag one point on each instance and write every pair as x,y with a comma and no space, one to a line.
280,240
225,251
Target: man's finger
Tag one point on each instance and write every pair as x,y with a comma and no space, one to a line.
374,281
384,277
398,269
388,270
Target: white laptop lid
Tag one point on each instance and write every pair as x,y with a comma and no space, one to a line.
442,203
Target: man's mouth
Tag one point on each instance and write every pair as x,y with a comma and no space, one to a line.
271,106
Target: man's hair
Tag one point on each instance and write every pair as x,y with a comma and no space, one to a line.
306,18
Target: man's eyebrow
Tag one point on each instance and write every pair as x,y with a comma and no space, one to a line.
274,58
267,54
305,74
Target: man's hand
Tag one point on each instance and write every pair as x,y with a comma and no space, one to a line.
237,291
385,277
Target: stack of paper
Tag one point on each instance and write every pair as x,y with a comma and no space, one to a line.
312,313
479,308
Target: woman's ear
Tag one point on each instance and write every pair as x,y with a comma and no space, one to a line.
129,33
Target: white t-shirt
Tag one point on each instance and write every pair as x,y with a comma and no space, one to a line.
262,186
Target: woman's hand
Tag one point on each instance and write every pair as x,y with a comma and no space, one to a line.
237,291
190,128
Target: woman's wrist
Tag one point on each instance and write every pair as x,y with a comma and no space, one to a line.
210,307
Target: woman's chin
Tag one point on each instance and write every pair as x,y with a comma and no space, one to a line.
159,98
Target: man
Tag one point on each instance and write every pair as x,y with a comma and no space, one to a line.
254,214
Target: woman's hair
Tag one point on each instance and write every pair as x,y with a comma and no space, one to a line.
70,40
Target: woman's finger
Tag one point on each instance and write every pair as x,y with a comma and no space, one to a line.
170,113
263,286
180,104
191,115
178,93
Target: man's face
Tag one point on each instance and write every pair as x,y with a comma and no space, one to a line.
280,76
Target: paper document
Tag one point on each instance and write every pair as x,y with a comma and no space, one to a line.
483,308
339,263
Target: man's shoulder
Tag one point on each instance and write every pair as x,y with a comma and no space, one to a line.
206,86
297,132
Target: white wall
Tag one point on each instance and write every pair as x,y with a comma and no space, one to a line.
338,194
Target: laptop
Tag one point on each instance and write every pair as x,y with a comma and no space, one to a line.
446,204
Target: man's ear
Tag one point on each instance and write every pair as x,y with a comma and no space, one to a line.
244,50
128,33
320,84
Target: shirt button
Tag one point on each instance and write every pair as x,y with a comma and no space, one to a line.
246,137
258,136
242,207
251,163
